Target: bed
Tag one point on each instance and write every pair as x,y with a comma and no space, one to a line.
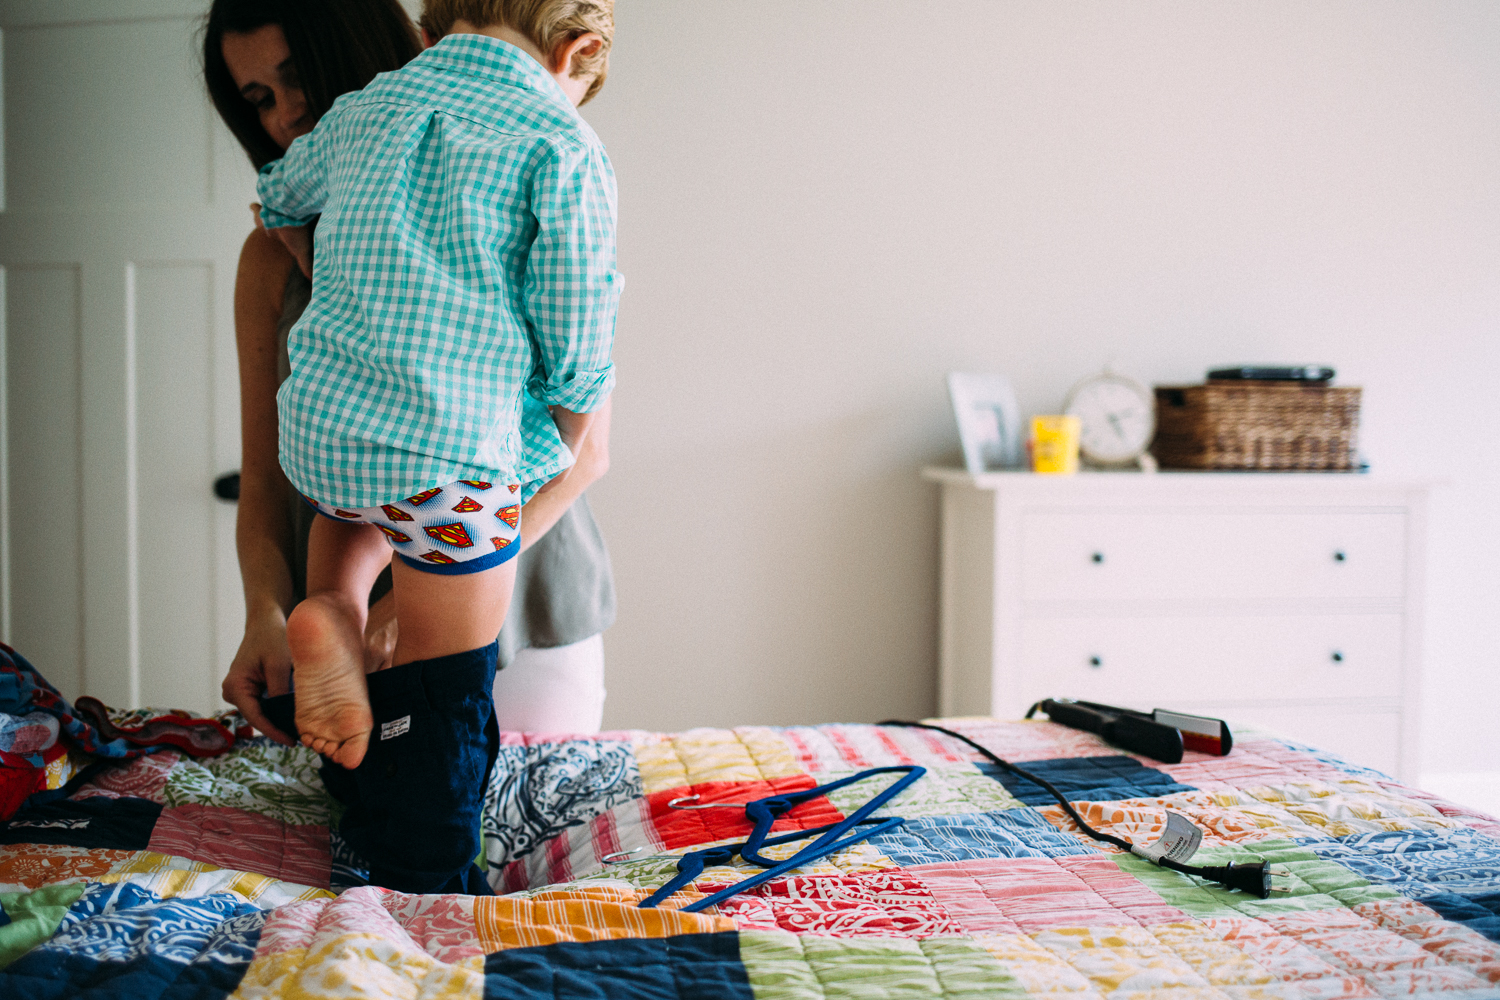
174,877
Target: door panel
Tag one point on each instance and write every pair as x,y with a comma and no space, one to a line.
125,207
174,511
98,115
43,577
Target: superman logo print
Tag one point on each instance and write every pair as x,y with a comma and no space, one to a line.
454,534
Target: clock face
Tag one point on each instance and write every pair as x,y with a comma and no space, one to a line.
1118,417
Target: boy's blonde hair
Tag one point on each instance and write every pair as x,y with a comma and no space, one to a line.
545,22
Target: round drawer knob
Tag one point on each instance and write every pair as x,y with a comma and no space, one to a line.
1095,661
1338,657
1097,557
1339,556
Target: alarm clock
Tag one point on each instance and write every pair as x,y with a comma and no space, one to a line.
1118,417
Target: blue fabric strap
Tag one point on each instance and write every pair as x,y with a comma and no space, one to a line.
764,812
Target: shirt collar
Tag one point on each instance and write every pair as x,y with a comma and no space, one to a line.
483,56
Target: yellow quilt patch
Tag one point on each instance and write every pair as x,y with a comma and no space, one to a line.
750,753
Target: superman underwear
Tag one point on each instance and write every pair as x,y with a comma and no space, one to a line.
465,527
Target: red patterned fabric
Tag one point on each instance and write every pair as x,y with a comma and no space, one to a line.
233,838
891,903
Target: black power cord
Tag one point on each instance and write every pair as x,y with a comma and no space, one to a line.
1254,878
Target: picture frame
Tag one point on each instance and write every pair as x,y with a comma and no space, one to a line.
989,421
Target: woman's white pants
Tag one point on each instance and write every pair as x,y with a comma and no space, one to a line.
556,690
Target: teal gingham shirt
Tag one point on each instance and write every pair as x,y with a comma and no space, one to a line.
465,260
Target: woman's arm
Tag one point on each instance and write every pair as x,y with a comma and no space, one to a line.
543,510
263,526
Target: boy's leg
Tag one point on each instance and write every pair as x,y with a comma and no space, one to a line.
438,614
326,636
416,817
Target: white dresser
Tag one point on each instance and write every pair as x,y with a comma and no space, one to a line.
1291,601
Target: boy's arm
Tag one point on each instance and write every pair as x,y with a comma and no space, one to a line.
294,188
572,289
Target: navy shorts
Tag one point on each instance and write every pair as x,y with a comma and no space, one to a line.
412,807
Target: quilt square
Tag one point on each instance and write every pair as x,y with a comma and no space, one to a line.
247,841
749,753
812,967
1419,863
684,967
136,778
518,922
678,827
892,903
834,751
260,777
1014,833
538,790
118,823
31,866
945,790
1027,895
1480,912
1088,779
125,941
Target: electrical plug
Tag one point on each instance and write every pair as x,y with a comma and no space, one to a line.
1253,877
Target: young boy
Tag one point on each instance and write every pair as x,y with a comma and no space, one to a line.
465,256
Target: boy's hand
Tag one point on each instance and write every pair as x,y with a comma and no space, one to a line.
297,239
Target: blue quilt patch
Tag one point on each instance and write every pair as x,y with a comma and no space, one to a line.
685,967
1479,913
1419,863
1087,779
121,940
1014,833
124,823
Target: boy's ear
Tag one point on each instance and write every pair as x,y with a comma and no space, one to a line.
427,40
568,51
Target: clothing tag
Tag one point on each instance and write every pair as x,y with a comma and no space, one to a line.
397,727
1179,841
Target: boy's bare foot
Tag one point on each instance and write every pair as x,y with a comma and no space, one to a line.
333,704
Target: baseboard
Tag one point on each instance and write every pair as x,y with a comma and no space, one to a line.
1476,789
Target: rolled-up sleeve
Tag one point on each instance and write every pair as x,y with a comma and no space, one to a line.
572,290
294,188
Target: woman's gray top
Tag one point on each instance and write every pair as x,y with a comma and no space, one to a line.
565,590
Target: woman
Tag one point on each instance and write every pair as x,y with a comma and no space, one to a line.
273,67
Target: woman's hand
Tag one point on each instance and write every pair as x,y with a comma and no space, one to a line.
263,665
298,240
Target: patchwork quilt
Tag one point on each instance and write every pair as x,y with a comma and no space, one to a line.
172,877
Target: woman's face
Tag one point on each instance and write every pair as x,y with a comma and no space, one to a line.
261,64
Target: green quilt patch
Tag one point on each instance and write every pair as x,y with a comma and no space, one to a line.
804,967
1315,883
34,917
945,790
270,779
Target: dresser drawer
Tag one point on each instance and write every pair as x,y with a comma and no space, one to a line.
1206,555
1165,662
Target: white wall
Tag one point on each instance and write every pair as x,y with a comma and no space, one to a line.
826,206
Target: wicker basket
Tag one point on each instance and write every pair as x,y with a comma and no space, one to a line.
1258,425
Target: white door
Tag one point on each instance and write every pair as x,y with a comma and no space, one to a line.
124,205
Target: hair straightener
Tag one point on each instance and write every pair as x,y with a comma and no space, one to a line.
1161,735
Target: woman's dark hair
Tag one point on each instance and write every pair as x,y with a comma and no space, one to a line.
337,46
